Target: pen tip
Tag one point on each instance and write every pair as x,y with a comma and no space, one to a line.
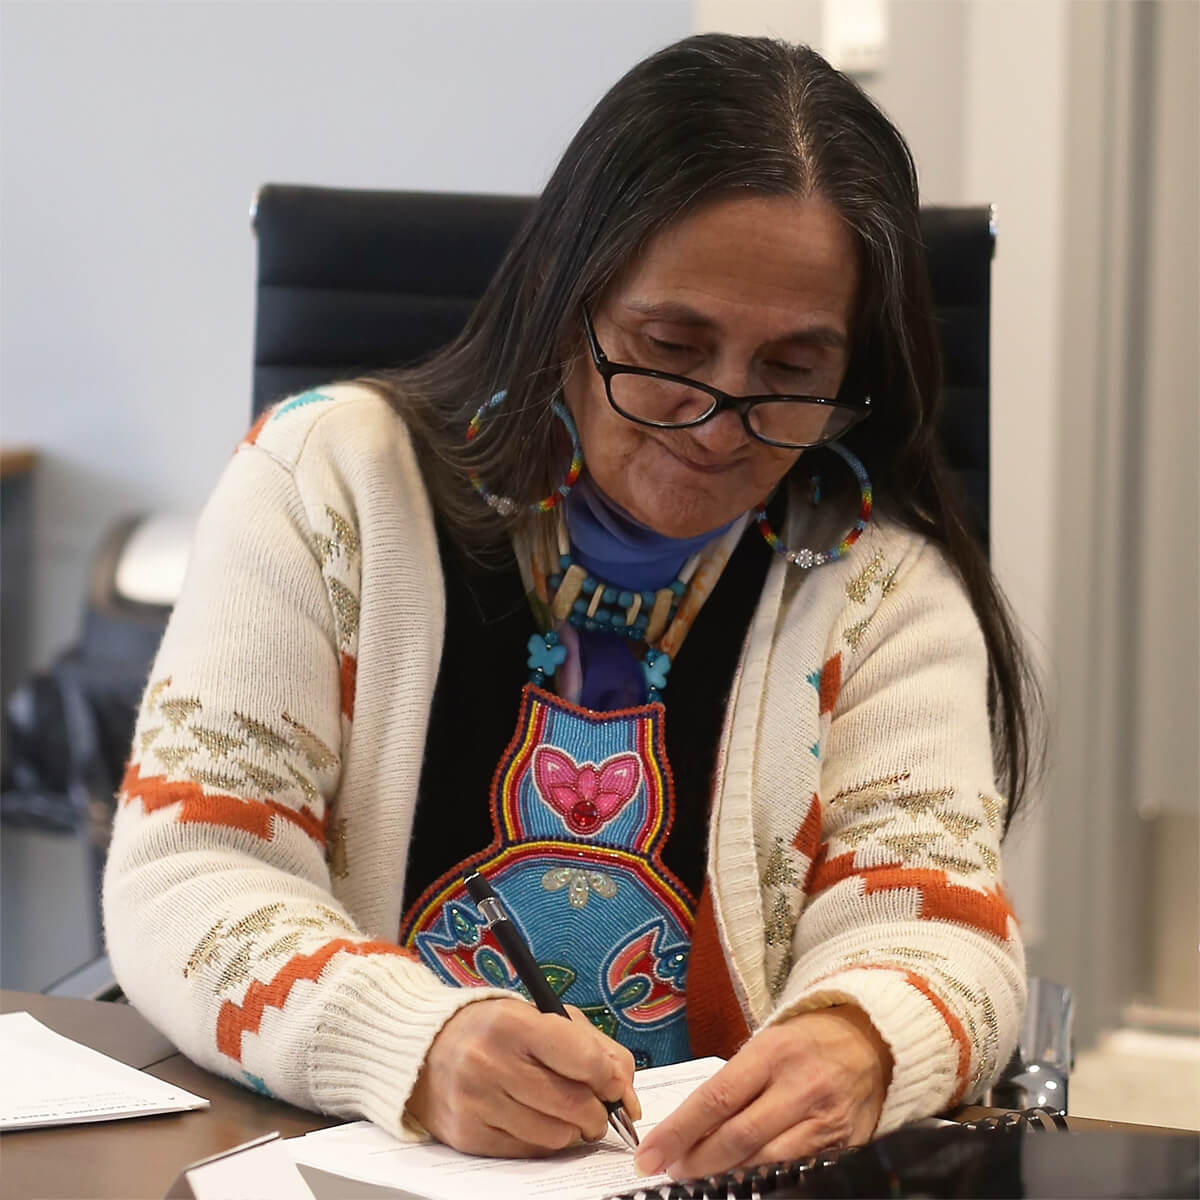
625,1128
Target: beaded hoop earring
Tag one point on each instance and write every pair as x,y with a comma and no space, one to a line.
804,557
502,504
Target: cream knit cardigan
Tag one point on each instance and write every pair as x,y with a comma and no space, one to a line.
253,891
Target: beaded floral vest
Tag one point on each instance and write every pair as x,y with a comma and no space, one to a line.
581,805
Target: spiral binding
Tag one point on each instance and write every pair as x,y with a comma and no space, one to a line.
769,1179
1039,1119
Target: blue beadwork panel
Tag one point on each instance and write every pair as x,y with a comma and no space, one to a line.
581,804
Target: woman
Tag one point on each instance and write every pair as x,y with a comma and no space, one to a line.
519,610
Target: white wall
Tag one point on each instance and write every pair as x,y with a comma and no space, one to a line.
1015,103
134,136
920,84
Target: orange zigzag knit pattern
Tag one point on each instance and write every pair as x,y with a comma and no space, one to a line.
237,1019
941,900
234,812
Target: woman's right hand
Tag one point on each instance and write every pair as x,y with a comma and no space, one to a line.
503,1079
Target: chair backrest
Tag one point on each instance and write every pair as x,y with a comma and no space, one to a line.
352,280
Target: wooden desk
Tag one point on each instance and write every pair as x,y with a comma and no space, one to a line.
139,1157
142,1156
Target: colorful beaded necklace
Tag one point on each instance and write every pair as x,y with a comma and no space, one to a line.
563,592
566,592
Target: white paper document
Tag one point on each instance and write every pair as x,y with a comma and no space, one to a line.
258,1170
363,1152
50,1080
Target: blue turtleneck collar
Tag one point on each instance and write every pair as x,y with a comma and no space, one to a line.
615,547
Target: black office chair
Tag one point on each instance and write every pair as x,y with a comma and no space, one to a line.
350,281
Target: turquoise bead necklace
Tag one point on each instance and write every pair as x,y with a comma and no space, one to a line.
590,604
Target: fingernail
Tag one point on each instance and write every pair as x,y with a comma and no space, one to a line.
634,1107
648,1164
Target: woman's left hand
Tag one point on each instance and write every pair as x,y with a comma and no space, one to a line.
813,1082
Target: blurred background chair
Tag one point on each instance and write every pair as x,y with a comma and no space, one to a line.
350,281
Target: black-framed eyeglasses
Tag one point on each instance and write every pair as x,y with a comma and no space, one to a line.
665,401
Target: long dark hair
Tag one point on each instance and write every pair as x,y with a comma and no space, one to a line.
706,117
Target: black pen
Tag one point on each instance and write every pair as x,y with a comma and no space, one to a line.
530,974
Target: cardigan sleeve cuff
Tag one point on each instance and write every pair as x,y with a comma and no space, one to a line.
928,1070
378,1026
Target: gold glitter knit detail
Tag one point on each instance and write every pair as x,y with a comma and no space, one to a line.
288,944
872,785
335,848
334,917
860,586
868,795
959,824
345,537
860,831
780,978
985,1062
781,924
345,605
778,871
215,779
205,949
262,779
147,736
909,845
311,922
324,546
263,736
311,796
992,807
855,634
950,862
884,953
888,583
236,969
258,921
922,802
267,932
991,859
318,754
179,710
174,756
156,690
215,742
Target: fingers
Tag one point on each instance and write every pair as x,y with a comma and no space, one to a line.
633,1106
807,1084
708,1108
532,1086
772,1129
579,1051
546,1132
502,1078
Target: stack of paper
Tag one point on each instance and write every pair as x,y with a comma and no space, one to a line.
366,1154
51,1080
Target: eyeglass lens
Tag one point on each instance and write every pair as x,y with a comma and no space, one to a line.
665,402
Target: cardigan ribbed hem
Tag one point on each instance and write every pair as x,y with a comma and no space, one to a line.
373,1037
923,1051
